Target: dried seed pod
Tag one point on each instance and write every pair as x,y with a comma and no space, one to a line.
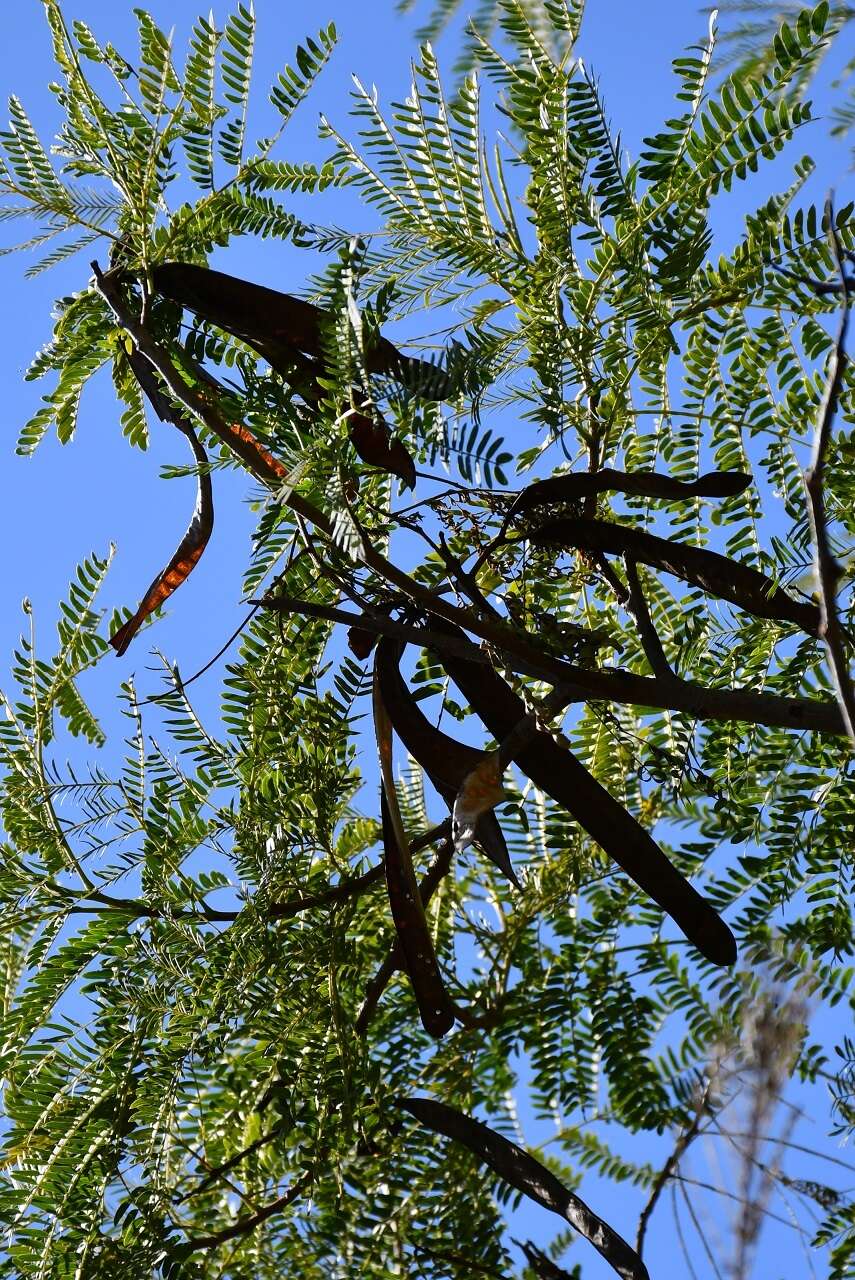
277,324
645,484
435,1007
446,761
525,1174
561,775
361,642
374,444
739,583
195,540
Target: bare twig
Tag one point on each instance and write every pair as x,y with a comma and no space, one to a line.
243,1226
840,287
701,1233
684,1139
826,567
218,1172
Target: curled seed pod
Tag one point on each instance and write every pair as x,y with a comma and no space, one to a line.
195,540
361,642
374,445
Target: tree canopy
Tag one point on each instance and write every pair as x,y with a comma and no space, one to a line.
549,634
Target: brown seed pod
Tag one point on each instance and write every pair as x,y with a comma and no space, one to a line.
522,1172
739,583
561,775
645,484
435,1007
276,323
374,444
195,540
361,642
447,762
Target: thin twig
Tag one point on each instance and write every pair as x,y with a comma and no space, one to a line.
680,1236
244,1226
826,567
218,1172
701,1234
275,910
684,1139
180,685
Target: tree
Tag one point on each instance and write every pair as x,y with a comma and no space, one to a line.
630,665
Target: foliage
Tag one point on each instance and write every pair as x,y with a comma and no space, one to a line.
190,934
746,44
749,36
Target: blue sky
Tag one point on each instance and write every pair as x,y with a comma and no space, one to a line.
67,502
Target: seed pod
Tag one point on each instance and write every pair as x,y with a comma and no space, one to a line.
276,323
435,1007
374,444
561,775
645,484
446,761
522,1172
719,575
195,540
361,642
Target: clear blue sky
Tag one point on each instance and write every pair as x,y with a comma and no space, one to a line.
67,502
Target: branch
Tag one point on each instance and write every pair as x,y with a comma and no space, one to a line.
826,567
243,1226
683,1141
275,911
355,886
843,286
586,684
467,581
540,1263
220,1170
379,624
